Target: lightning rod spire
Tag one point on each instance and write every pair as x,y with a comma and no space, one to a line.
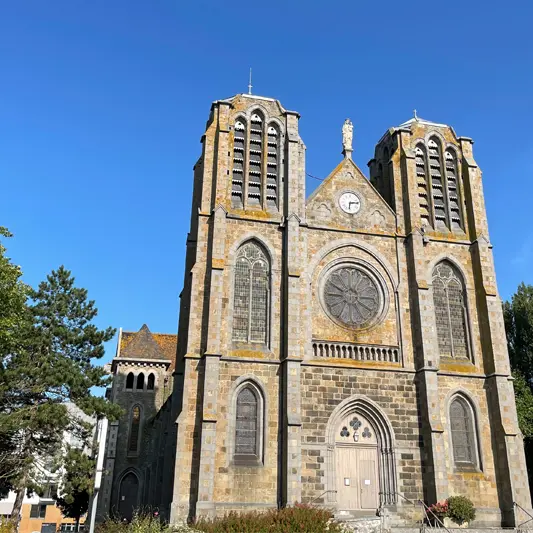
250,83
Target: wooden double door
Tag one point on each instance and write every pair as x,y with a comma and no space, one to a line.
357,477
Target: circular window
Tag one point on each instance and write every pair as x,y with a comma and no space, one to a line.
352,296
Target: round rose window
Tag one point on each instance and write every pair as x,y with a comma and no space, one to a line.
352,297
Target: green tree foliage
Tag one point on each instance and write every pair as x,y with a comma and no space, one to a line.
524,405
48,343
77,484
518,315
14,320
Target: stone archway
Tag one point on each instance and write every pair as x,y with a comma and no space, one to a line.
128,496
361,464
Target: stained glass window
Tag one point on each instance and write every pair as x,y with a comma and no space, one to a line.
247,423
135,429
462,428
450,311
251,295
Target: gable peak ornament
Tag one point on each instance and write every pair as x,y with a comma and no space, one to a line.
347,139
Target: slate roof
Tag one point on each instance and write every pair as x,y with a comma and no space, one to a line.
146,345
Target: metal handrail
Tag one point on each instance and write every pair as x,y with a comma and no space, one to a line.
515,504
325,492
426,509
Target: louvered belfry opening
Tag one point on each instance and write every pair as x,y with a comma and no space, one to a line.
255,159
437,184
438,187
247,425
422,185
239,147
453,191
251,294
450,311
273,166
463,437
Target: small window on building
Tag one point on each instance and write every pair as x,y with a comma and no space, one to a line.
50,491
129,381
151,382
248,426
135,430
140,381
38,511
463,435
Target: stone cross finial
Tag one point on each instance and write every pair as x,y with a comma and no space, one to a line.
347,138
415,115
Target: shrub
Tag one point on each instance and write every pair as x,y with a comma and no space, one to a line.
7,525
300,518
461,509
141,523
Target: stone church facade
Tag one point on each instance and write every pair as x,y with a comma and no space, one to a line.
345,349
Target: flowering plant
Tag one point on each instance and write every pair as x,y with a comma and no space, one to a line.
440,509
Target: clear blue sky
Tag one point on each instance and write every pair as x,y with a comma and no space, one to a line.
103,103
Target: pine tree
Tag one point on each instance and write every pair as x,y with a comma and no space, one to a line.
77,485
50,366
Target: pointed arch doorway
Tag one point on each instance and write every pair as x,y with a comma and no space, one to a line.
361,462
128,495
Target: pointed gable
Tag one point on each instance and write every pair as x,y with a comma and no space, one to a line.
323,206
141,345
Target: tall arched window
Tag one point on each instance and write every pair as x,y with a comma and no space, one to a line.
464,442
422,185
140,381
239,147
453,190
449,301
129,380
255,159
248,426
273,166
437,183
251,294
150,384
135,430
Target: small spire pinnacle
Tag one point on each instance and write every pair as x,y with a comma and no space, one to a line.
415,115
250,83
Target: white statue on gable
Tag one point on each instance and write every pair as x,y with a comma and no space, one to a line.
347,137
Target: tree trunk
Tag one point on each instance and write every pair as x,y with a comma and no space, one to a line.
77,524
17,507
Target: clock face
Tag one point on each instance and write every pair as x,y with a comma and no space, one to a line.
350,203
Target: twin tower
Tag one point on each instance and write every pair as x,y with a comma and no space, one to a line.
347,348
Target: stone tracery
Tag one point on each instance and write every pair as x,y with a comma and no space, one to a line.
351,296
